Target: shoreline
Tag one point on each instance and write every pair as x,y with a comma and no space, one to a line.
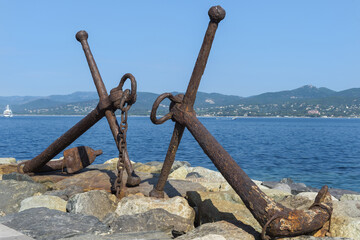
199,116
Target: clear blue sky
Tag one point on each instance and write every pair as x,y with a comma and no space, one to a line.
260,46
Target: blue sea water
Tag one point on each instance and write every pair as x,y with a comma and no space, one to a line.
310,150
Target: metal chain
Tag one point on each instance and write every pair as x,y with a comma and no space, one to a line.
122,150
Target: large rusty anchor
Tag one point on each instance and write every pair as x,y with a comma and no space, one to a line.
275,219
108,104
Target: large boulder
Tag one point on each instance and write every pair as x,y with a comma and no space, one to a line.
12,192
345,220
48,224
152,220
221,230
139,204
51,202
96,203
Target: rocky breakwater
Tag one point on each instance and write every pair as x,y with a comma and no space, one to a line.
199,204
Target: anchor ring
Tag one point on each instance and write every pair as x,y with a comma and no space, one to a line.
132,97
174,99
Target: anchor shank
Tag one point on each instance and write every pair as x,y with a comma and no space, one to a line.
63,141
82,36
199,68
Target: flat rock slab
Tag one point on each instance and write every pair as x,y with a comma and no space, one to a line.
221,229
89,180
47,224
7,233
151,235
153,220
172,187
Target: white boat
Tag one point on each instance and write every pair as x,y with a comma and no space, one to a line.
8,112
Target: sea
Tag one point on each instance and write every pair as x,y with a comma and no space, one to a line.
314,151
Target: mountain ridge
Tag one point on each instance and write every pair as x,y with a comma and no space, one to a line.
307,100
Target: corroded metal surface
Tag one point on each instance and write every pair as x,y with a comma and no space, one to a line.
74,160
107,106
275,219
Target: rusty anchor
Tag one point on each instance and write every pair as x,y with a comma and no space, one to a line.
108,104
275,219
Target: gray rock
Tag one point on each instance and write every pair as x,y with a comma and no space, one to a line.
283,187
193,175
286,180
339,192
221,230
12,192
295,187
151,235
66,193
97,203
153,220
47,224
17,176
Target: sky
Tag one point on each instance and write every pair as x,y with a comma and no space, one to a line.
260,46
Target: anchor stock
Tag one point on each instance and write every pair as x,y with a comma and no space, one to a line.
275,219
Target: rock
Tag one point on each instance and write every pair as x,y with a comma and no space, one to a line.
137,204
339,192
342,226
13,192
151,235
276,194
50,202
152,220
172,187
312,195
283,187
48,224
347,197
7,160
223,230
95,203
193,175
347,208
210,175
66,193
180,173
307,237
295,187
227,206
296,201
89,180
17,176
155,166
8,168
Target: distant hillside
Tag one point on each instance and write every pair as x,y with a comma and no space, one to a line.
304,101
